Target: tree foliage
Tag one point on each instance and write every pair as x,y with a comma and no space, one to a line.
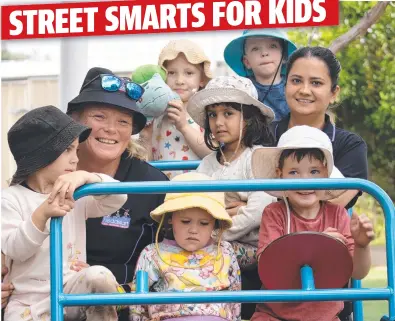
367,81
8,55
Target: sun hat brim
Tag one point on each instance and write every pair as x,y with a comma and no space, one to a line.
114,99
188,49
265,160
234,51
198,102
49,152
183,202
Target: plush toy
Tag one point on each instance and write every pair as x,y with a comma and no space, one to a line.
157,94
145,72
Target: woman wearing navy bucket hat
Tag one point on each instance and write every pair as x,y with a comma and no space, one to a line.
107,104
260,55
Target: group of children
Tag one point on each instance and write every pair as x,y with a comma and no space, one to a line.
209,236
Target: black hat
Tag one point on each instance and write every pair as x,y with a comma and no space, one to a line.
93,93
39,137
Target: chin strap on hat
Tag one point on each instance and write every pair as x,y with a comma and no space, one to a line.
219,255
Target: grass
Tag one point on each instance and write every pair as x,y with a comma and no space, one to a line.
374,310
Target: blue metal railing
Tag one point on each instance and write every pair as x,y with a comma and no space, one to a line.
357,305
59,299
192,165
176,165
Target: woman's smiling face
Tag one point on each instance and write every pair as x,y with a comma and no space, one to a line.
309,90
111,131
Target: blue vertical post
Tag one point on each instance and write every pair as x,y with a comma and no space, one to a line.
142,282
389,212
307,278
357,305
357,284
56,268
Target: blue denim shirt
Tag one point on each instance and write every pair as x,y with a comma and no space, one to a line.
275,99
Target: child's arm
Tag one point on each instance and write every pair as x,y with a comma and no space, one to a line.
22,238
145,263
95,206
345,198
235,282
272,227
66,184
362,232
145,138
101,205
194,137
249,216
356,233
6,288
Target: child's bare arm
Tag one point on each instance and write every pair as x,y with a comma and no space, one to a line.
194,137
66,184
345,198
362,232
47,210
195,140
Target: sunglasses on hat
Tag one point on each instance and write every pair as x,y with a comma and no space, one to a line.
113,83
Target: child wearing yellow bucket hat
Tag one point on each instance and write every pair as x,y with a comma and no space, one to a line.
175,135
190,259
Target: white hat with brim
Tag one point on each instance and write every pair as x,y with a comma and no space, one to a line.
193,53
225,89
212,202
265,160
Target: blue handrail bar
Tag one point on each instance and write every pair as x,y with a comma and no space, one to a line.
59,299
176,165
192,165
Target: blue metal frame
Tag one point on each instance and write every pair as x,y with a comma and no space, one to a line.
176,165
192,165
356,284
59,299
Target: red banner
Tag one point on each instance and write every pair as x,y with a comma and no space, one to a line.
143,17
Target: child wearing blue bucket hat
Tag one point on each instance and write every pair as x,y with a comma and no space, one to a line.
260,55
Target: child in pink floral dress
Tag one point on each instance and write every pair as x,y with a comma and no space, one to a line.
193,260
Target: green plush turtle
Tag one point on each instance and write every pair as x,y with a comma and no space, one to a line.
156,97
145,72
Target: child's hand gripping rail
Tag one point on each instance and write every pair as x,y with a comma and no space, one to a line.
59,299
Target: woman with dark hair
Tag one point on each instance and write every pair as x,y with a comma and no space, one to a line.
312,86
235,124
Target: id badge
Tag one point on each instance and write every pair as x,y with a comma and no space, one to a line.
116,221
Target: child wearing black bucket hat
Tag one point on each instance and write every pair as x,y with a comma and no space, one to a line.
44,144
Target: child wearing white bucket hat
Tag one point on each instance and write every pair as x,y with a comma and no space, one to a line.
189,259
174,135
306,152
235,124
